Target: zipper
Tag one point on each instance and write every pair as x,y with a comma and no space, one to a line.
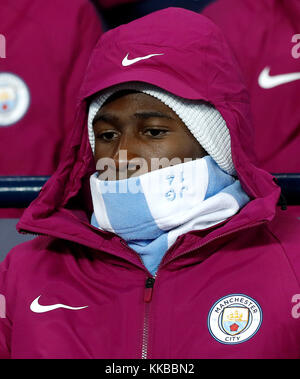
147,299
148,292
149,289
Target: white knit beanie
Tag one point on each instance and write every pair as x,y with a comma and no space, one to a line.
203,120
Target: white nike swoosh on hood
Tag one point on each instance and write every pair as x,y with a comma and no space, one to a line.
266,81
129,62
37,308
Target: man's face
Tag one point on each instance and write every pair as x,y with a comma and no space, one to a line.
134,129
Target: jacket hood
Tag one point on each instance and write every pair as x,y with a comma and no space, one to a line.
194,63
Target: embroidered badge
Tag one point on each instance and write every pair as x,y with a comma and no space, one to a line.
14,98
234,319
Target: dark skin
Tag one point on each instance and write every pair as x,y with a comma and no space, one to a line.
144,127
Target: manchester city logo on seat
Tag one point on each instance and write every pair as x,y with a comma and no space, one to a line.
14,98
234,319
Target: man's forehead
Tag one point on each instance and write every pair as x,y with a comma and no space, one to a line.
139,104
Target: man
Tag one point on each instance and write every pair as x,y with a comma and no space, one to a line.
180,261
48,44
47,49
269,59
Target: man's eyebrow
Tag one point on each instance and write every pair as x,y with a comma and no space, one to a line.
146,115
111,119
106,117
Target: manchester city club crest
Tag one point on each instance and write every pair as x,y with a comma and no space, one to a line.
234,319
14,98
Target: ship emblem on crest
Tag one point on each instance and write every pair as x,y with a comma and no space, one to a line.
235,320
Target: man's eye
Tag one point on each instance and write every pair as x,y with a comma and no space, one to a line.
156,132
107,136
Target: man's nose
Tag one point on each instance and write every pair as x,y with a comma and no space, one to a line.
127,155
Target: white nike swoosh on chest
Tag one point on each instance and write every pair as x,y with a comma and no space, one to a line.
266,81
128,62
38,308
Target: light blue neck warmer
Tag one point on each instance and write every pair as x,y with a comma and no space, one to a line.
150,211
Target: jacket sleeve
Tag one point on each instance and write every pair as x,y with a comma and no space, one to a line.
5,323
